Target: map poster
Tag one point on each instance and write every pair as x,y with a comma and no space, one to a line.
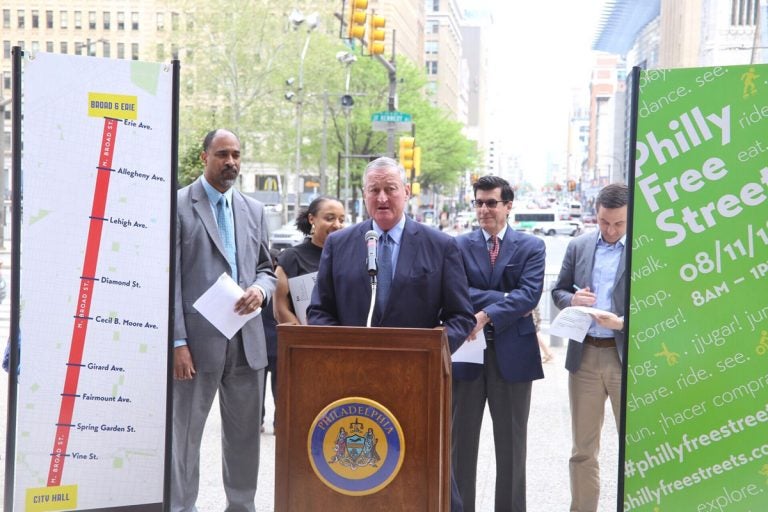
696,429
94,288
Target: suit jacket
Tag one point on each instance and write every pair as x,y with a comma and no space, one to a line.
518,272
429,288
200,260
577,269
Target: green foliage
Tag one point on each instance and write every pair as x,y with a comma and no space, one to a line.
233,73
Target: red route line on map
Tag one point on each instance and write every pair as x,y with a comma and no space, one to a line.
64,425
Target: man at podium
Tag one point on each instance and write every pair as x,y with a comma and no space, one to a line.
421,279
427,284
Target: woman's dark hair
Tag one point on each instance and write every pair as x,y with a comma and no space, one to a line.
302,219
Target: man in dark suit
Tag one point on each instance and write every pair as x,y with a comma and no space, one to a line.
505,271
428,285
593,275
218,230
428,288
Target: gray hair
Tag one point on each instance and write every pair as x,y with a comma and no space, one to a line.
384,162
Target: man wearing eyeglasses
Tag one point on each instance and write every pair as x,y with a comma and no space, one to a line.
505,272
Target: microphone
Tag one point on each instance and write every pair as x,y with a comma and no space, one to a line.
371,238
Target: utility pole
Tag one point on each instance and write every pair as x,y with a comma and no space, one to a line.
392,100
3,103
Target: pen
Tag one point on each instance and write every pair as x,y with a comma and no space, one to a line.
576,287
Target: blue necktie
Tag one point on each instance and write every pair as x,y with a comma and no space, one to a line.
227,233
384,274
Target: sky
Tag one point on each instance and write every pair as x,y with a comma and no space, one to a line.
538,55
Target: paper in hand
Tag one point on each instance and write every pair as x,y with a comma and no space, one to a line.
471,351
217,305
573,322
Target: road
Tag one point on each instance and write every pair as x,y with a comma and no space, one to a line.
549,438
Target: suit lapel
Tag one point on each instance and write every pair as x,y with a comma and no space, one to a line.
507,252
407,254
202,206
240,213
479,251
618,289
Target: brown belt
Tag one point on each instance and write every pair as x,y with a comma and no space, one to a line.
600,342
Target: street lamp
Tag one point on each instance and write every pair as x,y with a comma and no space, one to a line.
297,19
87,45
3,103
346,59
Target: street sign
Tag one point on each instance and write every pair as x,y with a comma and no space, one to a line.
391,117
397,121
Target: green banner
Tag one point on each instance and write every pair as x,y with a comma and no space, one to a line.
696,407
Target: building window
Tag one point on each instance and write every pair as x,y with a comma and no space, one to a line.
106,49
20,18
134,51
6,79
49,46
433,5
63,47
6,18
160,21
431,47
107,23
160,51
433,27
134,21
78,20
120,50
92,20
48,19
63,19
744,12
120,20
35,18
431,67
175,52
174,21
190,23
6,49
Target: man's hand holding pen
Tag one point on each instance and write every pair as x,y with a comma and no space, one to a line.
583,297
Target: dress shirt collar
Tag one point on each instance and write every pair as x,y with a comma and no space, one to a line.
500,234
621,242
396,233
214,195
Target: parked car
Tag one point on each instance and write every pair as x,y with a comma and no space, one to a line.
286,236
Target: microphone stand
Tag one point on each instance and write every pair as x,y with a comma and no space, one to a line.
373,300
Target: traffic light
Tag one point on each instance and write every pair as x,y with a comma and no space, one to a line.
376,34
357,17
406,153
347,100
416,162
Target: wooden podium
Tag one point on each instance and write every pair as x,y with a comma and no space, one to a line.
408,372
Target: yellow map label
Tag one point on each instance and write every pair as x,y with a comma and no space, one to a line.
62,497
117,106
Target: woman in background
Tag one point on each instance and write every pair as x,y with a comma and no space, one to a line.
323,216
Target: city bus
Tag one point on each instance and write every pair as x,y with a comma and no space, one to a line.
545,222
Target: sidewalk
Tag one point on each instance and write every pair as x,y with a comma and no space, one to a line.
549,444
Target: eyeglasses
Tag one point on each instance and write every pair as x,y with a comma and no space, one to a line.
490,203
